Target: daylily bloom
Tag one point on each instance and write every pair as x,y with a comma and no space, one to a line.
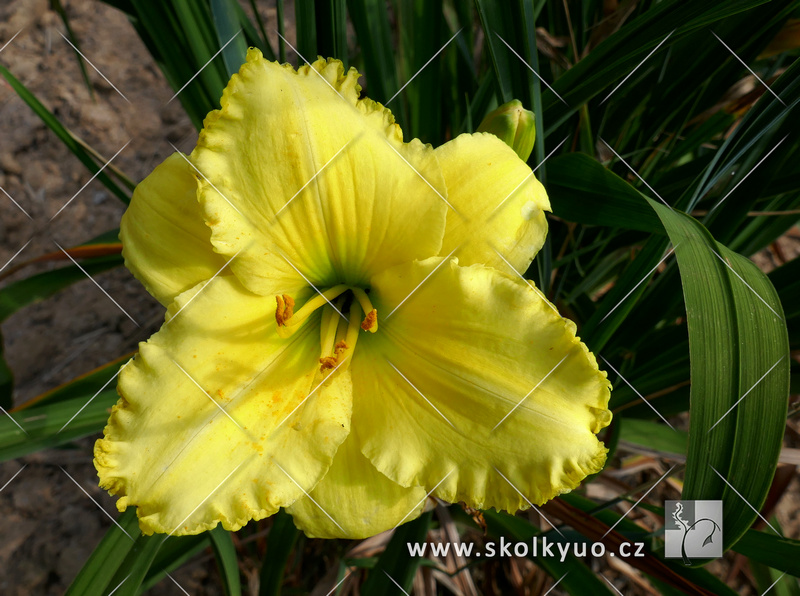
345,332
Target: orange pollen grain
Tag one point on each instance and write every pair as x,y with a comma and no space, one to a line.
340,347
370,320
327,362
285,309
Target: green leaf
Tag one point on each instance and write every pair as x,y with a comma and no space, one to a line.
616,57
77,417
174,552
739,371
306,29
96,574
280,542
227,562
583,193
6,380
772,550
653,436
63,134
331,27
226,24
43,285
133,569
395,564
371,23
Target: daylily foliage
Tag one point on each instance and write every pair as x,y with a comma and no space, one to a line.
346,328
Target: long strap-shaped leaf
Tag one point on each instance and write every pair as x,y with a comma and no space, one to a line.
738,345
739,369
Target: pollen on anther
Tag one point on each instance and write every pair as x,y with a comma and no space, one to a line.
285,309
370,322
327,363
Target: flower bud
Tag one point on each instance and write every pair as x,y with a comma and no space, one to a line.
514,125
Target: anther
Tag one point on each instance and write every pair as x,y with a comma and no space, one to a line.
285,309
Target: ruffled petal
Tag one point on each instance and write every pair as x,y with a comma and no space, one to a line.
220,420
354,500
477,387
298,173
500,202
165,242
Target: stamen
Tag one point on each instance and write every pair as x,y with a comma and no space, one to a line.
370,322
290,321
343,349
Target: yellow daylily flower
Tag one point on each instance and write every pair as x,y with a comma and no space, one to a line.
344,332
